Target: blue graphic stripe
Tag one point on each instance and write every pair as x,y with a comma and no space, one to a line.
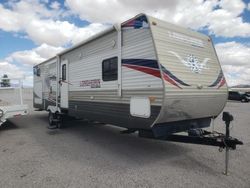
136,23
148,63
142,62
173,76
220,76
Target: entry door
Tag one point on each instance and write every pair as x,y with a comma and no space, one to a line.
64,85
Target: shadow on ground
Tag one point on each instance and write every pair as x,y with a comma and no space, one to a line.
87,138
8,125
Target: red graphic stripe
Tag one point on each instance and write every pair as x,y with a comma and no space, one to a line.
151,71
168,79
222,82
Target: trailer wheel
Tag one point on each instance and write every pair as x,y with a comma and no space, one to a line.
59,121
51,118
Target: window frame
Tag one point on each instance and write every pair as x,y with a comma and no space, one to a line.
110,76
64,72
37,71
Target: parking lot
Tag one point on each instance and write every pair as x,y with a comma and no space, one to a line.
94,155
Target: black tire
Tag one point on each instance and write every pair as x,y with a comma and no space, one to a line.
51,118
59,121
243,100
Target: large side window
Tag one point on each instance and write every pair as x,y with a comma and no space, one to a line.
109,69
64,72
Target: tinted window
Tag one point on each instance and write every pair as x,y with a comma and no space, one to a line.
109,69
37,71
64,72
34,70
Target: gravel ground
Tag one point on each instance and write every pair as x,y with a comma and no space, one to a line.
95,155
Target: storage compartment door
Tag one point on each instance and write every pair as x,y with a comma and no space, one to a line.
140,107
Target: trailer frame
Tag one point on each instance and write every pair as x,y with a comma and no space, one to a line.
202,137
10,111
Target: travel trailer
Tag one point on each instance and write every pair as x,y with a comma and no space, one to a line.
144,74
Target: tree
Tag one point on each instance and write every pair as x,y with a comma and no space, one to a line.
5,82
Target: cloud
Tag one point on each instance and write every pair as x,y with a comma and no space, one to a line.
55,5
34,56
14,71
235,7
236,75
47,26
9,20
10,69
19,64
83,33
55,33
234,58
233,53
26,57
59,33
116,10
225,24
43,25
47,51
221,18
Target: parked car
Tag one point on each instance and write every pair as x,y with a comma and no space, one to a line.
239,96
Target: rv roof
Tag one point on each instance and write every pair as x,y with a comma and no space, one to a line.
88,40
112,28
47,60
81,43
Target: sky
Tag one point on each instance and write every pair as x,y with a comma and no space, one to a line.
32,31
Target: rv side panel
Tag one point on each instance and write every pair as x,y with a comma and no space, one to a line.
92,97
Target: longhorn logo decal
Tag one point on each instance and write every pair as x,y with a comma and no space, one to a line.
192,62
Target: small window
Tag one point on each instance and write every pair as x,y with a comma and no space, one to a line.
109,69
37,71
64,72
34,70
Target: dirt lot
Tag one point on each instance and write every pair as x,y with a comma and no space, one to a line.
94,155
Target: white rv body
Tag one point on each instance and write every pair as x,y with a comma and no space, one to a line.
144,74
45,87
